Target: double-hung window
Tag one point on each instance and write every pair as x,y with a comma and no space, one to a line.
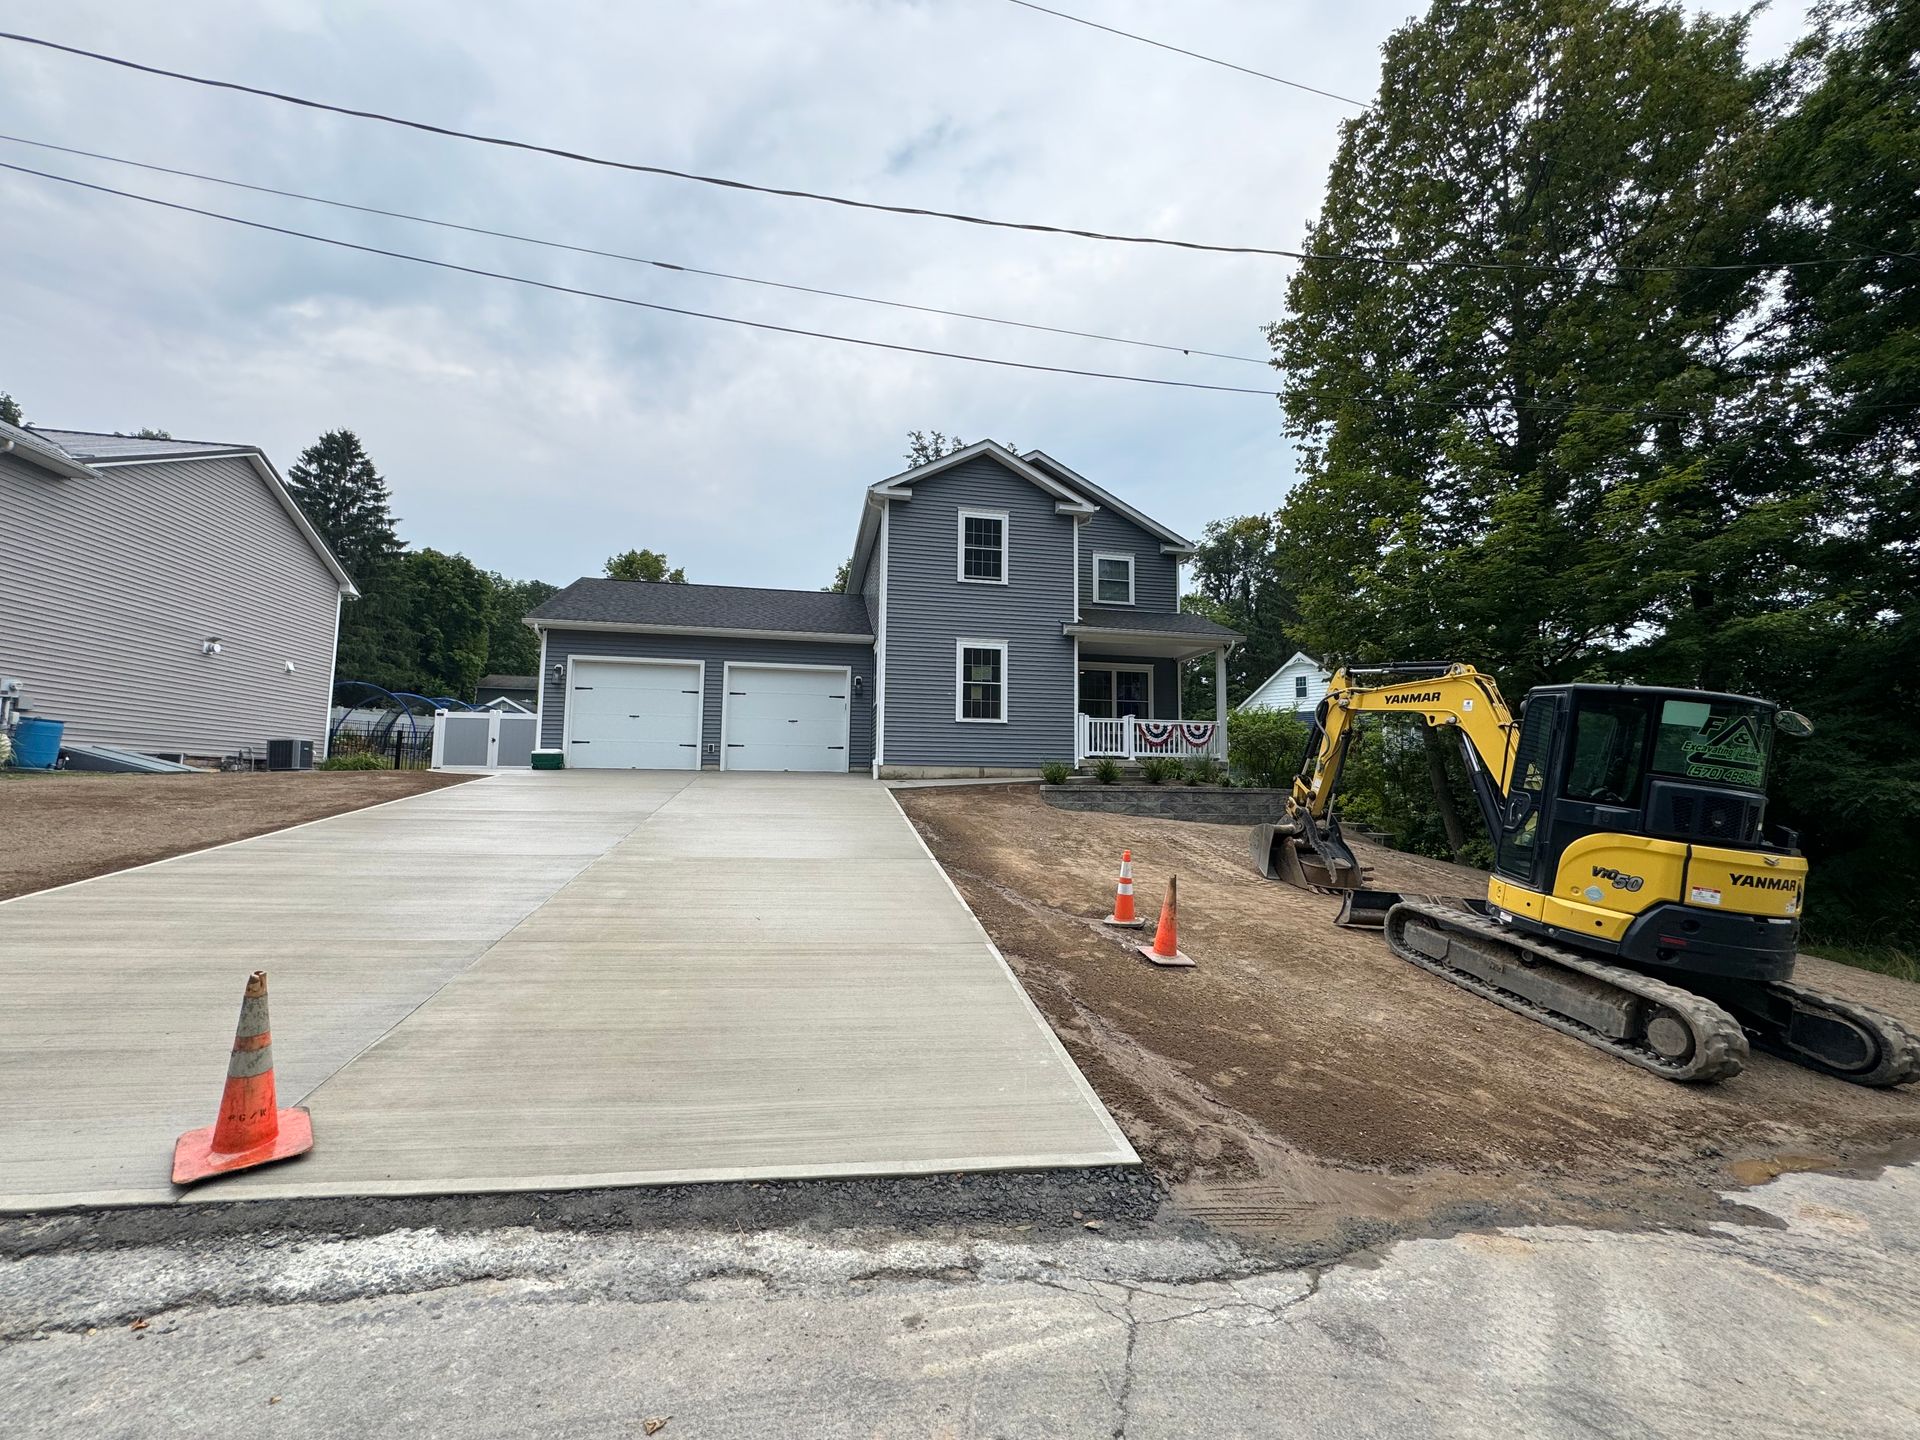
1112,579
983,546
980,689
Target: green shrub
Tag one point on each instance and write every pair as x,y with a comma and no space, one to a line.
1106,770
1205,770
1266,746
1056,772
355,762
1158,769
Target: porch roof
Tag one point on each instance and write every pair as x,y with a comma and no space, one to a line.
1172,635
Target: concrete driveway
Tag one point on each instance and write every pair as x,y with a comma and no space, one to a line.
538,981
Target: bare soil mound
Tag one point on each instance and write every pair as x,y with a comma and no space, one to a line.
1303,1077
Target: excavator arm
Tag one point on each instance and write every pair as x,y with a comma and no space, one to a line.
1305,846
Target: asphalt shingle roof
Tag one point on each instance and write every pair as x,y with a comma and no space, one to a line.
90,445
1156,623
642,603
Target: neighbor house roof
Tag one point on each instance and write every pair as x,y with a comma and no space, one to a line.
36,450
87,453
91,445
1147,622
664,607
508,682
1292,660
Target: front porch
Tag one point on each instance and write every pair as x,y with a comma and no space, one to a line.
1133,737
1128,686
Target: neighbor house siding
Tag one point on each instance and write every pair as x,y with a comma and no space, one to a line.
929,610
1156,577
1276,692
716,651
112,585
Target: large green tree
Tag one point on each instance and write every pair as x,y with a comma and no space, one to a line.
1488,408
10,410
512,648
450,606
644,565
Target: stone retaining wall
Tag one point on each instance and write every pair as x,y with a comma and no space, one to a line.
1209,804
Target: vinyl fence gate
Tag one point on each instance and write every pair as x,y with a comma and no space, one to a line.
482,740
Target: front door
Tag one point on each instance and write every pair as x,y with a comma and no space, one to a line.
1110,691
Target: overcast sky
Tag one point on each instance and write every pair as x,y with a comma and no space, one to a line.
538,433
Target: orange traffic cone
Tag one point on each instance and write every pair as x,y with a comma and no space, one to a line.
1165,949
251,1130
1123,898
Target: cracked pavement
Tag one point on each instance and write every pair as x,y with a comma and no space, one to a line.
1798,1320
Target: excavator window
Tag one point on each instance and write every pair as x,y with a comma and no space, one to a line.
1515,855
1725,742
1609,757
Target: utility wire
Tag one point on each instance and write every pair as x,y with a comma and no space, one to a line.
629,300
630,259
1191,54
1384,261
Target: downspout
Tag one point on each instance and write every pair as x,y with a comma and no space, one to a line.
880,649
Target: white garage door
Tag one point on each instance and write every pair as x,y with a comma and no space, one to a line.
634,715
786,718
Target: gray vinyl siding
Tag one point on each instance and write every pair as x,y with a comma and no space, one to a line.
1166,681
929,610
111,586
1156,577
716,650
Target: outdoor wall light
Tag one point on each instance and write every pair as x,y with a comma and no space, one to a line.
210,645
859,686
558,672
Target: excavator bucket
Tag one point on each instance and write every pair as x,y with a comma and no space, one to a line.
1279,852
1367,909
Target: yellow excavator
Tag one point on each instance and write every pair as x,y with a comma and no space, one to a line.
1638,902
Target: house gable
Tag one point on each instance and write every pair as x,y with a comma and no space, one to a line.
1281,690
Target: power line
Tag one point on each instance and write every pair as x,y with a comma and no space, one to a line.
1191,54
961,217
641,169
630,259
629,300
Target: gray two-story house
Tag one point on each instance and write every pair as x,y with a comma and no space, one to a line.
1001,612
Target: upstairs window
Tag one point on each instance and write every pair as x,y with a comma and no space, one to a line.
983,546
981,689
1112,579
1299,687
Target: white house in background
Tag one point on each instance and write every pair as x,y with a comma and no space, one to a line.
1299,685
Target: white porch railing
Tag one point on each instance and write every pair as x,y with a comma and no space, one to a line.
1130,737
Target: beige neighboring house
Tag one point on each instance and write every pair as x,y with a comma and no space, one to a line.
1299,685
163,596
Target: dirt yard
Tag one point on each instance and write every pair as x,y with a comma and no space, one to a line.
1302,1079
66,826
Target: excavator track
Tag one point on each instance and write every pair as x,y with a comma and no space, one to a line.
1800,1024
1674,1033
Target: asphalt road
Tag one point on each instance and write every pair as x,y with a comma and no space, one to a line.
1799,1320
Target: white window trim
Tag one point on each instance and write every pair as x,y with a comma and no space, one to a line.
845,672
1098,556
960,546
960,648
1079,665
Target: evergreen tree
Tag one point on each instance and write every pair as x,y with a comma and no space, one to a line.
10,410
348,503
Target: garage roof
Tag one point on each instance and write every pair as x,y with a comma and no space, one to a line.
703,609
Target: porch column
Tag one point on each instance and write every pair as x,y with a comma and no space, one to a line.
1220,701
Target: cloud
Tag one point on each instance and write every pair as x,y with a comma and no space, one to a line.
538,432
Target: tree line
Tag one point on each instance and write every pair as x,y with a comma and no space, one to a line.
427,621
1626,388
